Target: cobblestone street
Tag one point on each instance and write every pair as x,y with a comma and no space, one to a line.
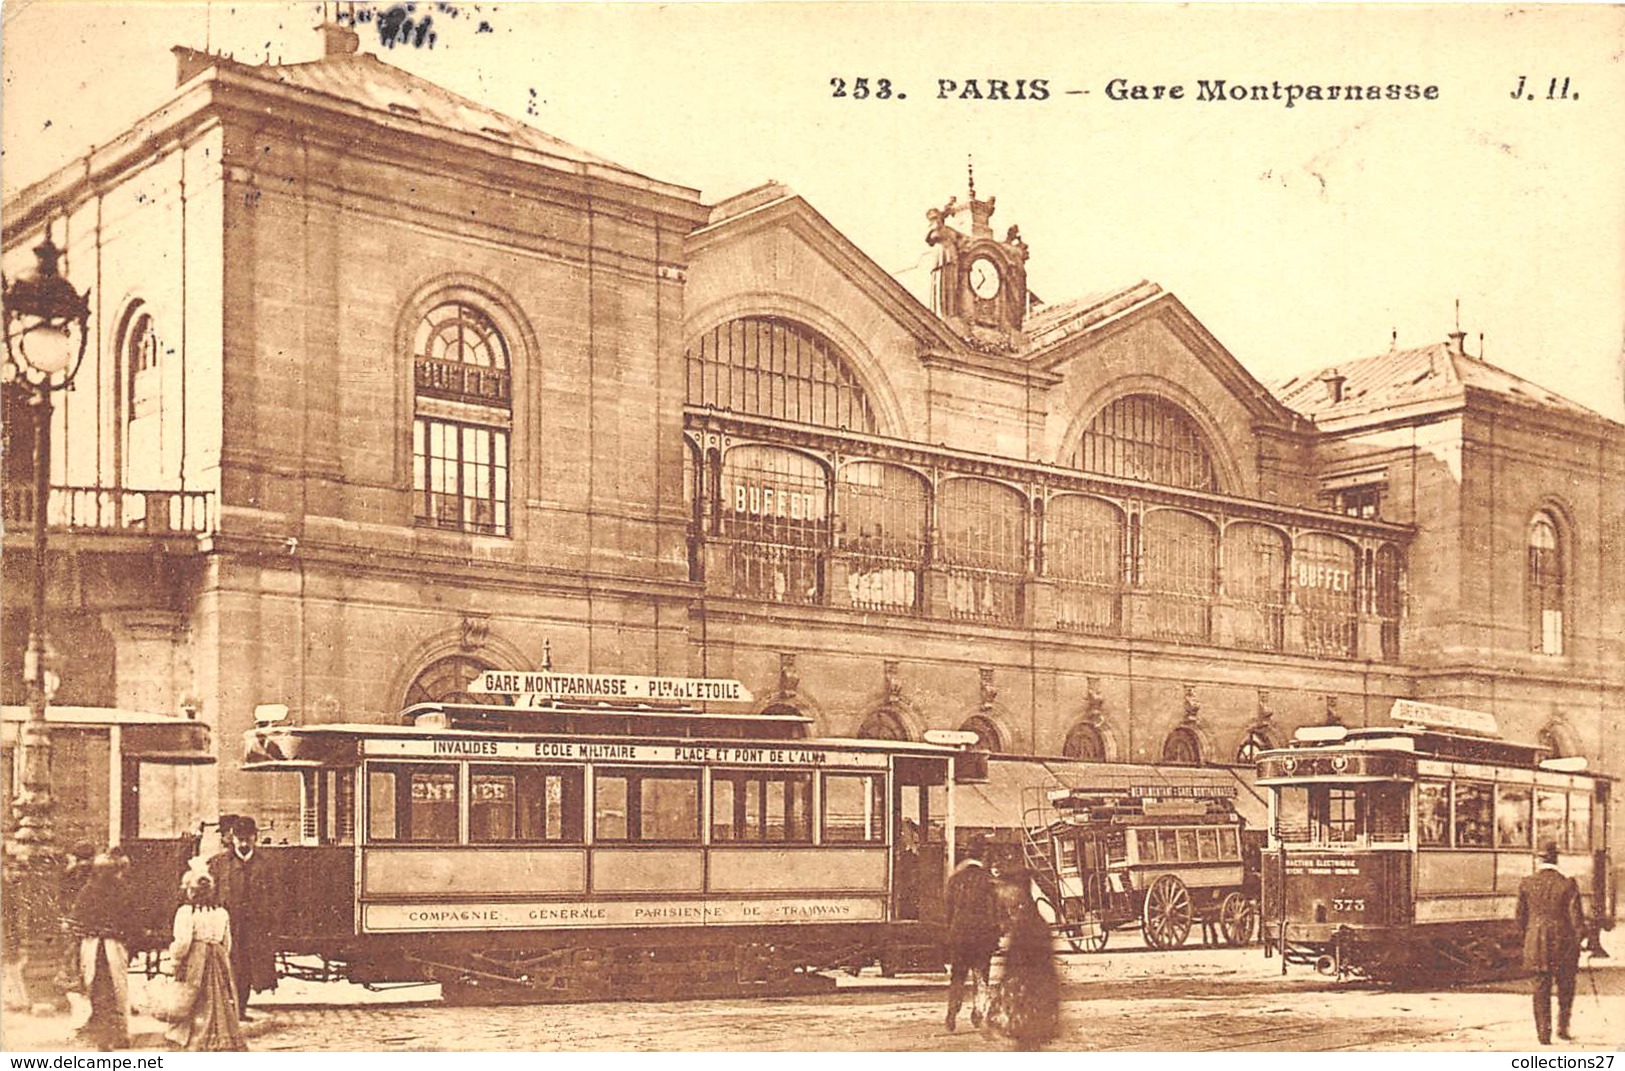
1192,1001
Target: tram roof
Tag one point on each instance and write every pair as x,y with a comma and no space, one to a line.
1015,782
95,716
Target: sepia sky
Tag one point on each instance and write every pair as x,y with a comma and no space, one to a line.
1300,236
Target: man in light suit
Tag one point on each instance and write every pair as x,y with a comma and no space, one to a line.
1552,923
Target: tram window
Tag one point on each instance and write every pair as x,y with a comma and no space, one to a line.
1551,806
327,807
1146,839
1069,854
1337,815
1229,843
1433,814
748,805
412,803
1512,816
1168,845
1474,807
1207,845
854,808
633,805
1579,821
1387,818
523,803
1187,845
1292,814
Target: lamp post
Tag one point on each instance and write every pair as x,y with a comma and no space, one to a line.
46,323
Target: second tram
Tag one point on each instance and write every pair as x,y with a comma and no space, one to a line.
1395,853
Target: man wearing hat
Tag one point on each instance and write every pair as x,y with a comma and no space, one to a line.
1552,922
974,921
241,884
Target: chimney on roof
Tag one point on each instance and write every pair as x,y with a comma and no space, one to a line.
1334,381
338,40
1458,343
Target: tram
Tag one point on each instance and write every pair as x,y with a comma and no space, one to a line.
136,779
1395,853
576,849
1158,858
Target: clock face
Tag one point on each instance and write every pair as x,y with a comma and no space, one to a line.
984,278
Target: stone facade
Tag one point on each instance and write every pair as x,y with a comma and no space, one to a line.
290,236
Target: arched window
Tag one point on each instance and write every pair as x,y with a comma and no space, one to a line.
1255,581
447,681
1544,586
1148,438
884,515
463,392
1326,583
1182,748
1181,574
770,367
1256,740
1085,743
775,523
984,549
883,725
988,735
140,352
1083,555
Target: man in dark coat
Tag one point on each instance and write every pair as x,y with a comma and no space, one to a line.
973,917
242,885
1552,922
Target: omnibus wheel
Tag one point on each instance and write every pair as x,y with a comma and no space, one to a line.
1238,918
1089,935
1166,916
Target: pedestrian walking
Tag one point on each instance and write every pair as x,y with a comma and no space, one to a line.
76,874
973,918
243,889
101,914
1552,922
204,1007
1028,998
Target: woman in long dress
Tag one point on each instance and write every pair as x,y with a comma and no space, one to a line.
100,918
205,1017
1028,997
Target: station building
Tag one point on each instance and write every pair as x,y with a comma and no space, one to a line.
387,388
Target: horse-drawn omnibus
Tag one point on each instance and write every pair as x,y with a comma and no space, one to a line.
1396,852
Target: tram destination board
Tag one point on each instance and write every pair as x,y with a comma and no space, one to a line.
535,689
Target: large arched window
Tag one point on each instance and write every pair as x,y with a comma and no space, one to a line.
1083,556
1180,574
984,549
884,515
447,681
1183,748
1146,437
1544,585
141,354
883,725
463,415
989,737
769,367
1255,581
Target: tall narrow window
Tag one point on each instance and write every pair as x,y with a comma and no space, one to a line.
1083,556
884,514
1180,574
1326,584
984,549
1545,586
1390,595
464,413
775,524
142,355
1148,438
1255,581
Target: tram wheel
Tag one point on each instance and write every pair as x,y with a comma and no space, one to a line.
1166,916
1238,919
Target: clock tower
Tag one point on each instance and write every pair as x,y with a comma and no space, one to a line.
979,283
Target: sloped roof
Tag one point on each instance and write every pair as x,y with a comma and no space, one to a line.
365,80
1049,324
1404,377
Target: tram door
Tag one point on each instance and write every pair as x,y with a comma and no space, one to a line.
919,838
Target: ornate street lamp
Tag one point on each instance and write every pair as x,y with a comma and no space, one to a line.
46,322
